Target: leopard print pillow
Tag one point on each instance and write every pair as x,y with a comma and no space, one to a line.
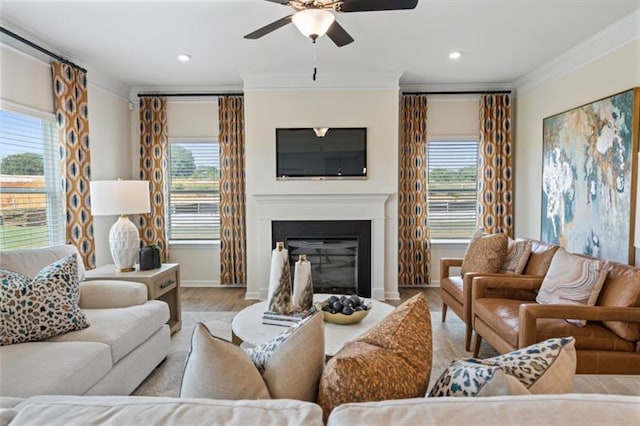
470,378
46,306
545,367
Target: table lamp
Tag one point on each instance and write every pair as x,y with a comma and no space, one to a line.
121,197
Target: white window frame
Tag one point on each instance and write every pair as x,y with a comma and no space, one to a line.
191,241
53,177
441,239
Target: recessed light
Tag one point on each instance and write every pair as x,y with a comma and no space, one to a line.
454,55
183,57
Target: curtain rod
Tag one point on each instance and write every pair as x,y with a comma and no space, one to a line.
41,49
169,95
464,92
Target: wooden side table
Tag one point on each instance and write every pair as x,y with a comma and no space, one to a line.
162,284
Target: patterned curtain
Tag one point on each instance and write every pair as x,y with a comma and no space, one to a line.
414,247
233,245
495,180
72,114
154,141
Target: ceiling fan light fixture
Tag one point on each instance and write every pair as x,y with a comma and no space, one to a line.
320,131
313,23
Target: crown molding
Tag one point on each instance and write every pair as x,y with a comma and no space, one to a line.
611,38
325,81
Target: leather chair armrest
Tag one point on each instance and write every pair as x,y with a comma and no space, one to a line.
105,294
446,263
530,312
481,284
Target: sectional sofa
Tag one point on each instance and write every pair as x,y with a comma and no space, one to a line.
127,338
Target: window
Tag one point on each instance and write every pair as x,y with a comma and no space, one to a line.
31,196
452,169
194,197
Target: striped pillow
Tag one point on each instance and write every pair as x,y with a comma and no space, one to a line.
518,252
573,280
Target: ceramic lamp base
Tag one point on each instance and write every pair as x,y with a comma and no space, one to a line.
124,241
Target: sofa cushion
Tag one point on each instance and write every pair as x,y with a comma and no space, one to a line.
30,261
540,258
574,280
471,378
218,369
392,360
41,368
43,307
622,289
518,252
123,410
294,367
122,329
568,409
485,253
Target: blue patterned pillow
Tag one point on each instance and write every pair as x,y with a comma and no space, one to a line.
46,306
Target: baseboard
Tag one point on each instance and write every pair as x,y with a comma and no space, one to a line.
208,283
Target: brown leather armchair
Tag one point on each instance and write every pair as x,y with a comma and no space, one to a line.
455,291
608,344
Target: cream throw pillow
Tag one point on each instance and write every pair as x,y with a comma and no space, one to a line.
293,368
518,252
573,280
485,253
218,369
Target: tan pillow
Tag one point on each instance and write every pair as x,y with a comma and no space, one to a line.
293,371
518,252
573,280
485,253
390,361
218,369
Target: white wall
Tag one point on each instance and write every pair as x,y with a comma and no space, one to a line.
375,109
195,119
612,73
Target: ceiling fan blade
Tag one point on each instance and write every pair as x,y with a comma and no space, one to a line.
283,2
373,5
269,28
339,35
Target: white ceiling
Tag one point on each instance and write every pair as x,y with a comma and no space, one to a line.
136,42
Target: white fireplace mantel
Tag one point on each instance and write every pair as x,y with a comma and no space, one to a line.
323,206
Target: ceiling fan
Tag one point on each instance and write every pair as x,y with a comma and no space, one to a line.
314,19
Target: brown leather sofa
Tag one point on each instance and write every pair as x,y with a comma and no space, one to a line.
505,314
455,291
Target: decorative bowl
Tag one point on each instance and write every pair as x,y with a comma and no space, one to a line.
340,318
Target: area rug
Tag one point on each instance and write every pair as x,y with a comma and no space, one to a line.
448,344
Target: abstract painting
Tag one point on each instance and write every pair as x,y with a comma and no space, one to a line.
588,177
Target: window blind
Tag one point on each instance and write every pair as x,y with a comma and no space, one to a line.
194,196
452,168
31,199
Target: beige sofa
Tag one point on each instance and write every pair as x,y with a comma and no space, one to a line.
127,338
500,410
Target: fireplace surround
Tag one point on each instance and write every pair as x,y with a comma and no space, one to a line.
323,207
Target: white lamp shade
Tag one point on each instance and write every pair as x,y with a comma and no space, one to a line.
313,23
118,197
121,197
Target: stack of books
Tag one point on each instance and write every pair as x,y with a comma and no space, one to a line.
286,320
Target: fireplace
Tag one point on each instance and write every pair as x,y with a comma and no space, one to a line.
339,252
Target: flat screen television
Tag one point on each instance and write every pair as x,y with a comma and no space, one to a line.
340,153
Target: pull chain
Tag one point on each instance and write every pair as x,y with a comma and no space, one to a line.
315,70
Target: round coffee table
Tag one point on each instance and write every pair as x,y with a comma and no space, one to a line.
247,325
